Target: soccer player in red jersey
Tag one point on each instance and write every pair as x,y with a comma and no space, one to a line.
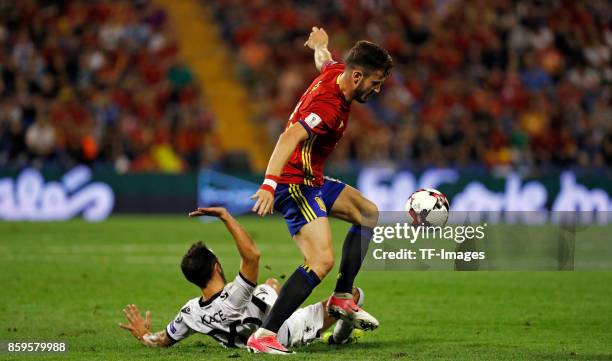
295,186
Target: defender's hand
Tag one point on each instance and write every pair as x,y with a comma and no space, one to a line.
318,39
218,212
137,325
265,202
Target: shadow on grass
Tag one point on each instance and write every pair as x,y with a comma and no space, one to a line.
421,348
573,356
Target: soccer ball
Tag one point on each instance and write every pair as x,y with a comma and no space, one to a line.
427,207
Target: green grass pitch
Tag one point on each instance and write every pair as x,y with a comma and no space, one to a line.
69,282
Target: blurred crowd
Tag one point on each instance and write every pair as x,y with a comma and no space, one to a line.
505,84
98,82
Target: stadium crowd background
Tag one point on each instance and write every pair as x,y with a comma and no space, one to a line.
101,83
499,84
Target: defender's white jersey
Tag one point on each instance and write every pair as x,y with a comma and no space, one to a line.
230,316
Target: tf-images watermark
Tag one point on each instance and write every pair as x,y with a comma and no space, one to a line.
405,232
481,241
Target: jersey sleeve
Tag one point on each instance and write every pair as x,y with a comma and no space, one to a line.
178,329
239,293
321,117
330,64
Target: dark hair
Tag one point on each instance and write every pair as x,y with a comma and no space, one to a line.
370,57
198,264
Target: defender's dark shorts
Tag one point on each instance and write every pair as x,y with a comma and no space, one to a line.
301,204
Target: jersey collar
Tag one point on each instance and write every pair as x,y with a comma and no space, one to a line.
204,303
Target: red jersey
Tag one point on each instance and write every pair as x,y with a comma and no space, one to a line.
323,112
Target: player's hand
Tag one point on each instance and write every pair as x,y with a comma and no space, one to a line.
137,325
219,212
264,204
318,39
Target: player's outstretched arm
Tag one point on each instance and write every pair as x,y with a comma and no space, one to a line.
285,146
249,254
141,328
318,41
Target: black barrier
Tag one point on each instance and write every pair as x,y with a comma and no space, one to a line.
388,187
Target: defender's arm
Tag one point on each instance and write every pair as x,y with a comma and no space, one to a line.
249,254
157,339
318,41
140,328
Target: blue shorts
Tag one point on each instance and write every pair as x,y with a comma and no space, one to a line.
301,204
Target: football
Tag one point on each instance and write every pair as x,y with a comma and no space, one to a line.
428,207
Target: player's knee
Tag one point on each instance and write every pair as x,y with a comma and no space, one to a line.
322,265
369,214
273,282
326,264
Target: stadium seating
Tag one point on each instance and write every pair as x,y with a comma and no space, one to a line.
499,84
522,85
99,83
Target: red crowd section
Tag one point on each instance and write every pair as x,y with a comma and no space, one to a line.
499,84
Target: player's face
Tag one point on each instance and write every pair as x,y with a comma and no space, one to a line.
367,85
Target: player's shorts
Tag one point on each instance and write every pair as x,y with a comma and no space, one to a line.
301,204
302,327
